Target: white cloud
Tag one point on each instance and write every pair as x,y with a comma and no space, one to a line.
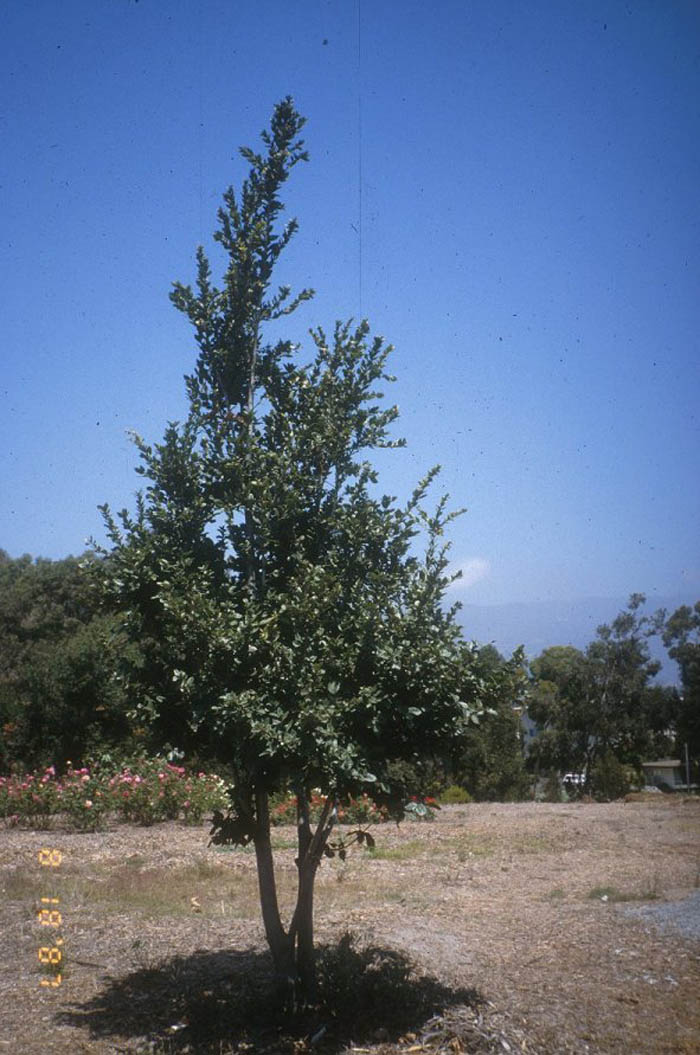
473,570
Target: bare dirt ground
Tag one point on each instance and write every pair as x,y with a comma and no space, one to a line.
534,907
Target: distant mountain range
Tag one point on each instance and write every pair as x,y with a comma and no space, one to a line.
540,624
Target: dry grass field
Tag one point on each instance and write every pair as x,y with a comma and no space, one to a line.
508,928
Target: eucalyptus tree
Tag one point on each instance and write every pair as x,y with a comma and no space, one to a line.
681,636
287,620
588,704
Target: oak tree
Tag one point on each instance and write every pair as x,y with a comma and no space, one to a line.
288,623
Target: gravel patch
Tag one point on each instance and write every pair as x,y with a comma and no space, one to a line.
681,917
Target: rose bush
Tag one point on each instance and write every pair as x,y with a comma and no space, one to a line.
148,790
144,791
360,810
82,798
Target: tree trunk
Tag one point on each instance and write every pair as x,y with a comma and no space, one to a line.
293,951
277,939
305,953
302,930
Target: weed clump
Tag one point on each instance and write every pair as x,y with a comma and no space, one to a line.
454,795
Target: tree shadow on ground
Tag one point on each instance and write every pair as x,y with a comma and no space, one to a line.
226,1001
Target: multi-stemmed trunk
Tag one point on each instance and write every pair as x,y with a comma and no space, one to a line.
293,949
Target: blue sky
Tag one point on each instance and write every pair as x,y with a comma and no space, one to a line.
507,191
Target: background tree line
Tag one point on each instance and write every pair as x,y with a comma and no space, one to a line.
599,711
62,697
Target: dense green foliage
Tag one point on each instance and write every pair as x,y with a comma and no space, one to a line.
490,765
285,619
610,780
59,698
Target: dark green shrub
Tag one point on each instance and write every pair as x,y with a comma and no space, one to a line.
609,779
421,778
